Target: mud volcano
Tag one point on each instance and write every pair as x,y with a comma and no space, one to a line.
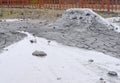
84,28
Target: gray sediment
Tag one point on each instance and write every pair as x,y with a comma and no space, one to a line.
79,28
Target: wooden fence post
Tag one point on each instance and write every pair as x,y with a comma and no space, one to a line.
108,5
10,3
0,2
82,4
22,3
102,4
79,3
26,2
42,3
60,4
39,3
116,4
7,3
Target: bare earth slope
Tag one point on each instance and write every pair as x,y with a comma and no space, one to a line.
81,28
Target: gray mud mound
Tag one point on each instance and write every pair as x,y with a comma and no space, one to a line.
82,18
86,29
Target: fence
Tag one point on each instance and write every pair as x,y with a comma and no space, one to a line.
104,5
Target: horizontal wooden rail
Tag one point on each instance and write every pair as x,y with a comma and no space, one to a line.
104,5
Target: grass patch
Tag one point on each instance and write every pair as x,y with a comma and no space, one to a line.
40,13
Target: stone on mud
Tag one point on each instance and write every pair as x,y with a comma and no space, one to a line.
112,73
33,41
91,60
39,53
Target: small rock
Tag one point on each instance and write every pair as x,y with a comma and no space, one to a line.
72,12
53,27
33,41
59,78
80,17
117,64
0,20
74,18
39,53
49,42
112,73
2,33
91,60
33,34
40,22
116,28
87,14
101,79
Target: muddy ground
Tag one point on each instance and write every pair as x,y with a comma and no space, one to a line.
46,30
40,24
